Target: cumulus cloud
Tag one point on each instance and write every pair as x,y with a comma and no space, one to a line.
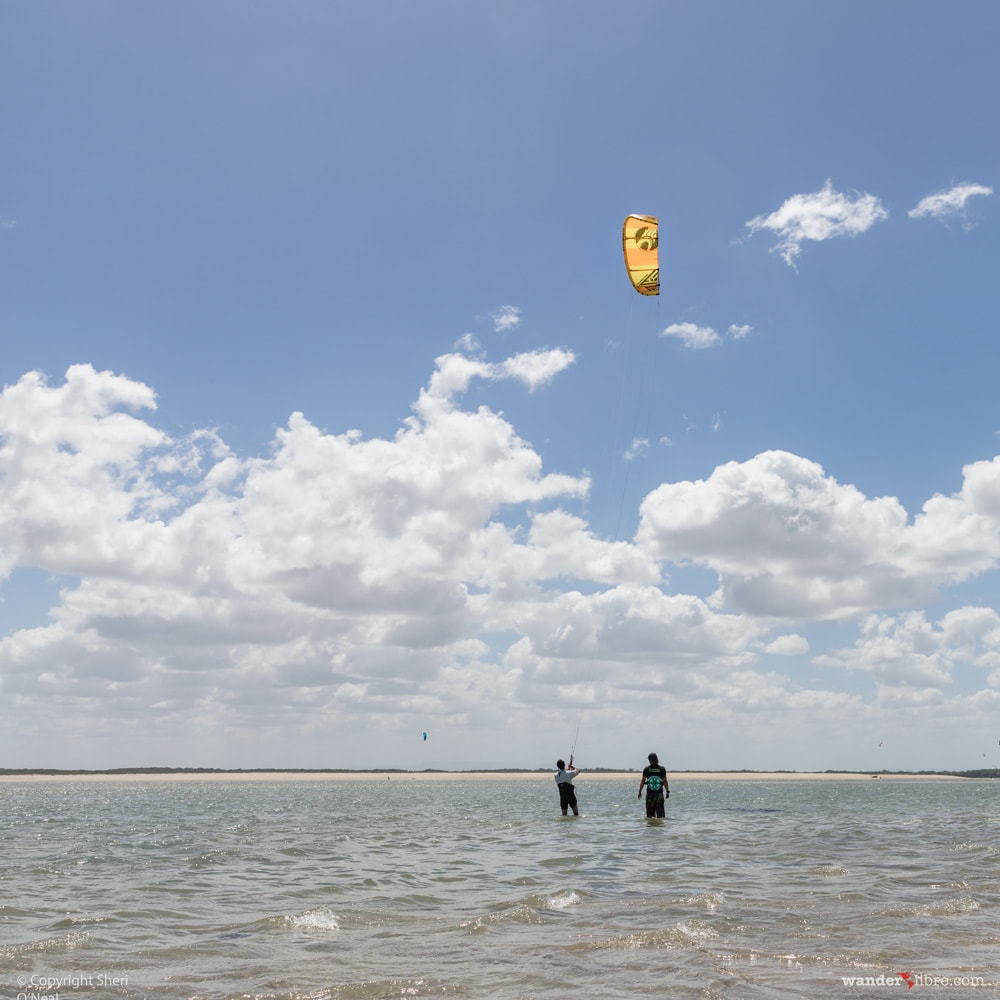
79,473
910,651
740,331
823,215
788,645
693,336
790,541
345,585
362,576
946,204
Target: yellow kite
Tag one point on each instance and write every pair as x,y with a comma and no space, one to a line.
640,243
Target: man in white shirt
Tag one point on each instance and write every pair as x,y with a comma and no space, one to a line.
567,793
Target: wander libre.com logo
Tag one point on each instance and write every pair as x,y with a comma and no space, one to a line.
911,979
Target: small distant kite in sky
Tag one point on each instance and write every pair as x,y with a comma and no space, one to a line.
425,737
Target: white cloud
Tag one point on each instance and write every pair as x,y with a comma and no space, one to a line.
558,544
632,636
336,584
506,318
693,336
910,651
79,473
787,540
456,371
822,215
468,343
338,589
945,204
788,645
536,368
740,332
334,569
636,449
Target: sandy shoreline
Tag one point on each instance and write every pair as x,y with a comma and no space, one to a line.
675,776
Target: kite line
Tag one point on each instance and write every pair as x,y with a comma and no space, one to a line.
640,247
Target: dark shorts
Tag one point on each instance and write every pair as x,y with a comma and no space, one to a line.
567,795
655,804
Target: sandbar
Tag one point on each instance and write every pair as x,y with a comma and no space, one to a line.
394,775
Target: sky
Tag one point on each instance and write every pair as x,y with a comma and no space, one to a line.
329,417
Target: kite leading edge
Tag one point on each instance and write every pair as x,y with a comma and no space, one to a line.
640,244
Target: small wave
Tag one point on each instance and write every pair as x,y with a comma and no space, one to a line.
320,919
709,900
528,911
798,960
418,899
76,921
853,896
964,846
46,946
828,871
688,934
560,901
208,859
948,908
571,859
519,914
378,990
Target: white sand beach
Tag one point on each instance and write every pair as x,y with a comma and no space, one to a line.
675,776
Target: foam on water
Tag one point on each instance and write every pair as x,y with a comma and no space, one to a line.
322,919
562,901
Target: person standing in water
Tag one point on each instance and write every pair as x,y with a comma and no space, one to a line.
567,793
654,780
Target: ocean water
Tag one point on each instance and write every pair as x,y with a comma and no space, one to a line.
364,889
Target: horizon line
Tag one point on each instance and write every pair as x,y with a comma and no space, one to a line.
161,769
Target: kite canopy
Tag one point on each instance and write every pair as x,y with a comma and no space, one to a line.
640,244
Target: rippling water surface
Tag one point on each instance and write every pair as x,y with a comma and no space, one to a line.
363,889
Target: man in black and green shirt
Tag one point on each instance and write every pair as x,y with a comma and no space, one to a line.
654,780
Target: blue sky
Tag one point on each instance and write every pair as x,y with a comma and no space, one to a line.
329,416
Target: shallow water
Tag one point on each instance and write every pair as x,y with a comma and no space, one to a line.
471,888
